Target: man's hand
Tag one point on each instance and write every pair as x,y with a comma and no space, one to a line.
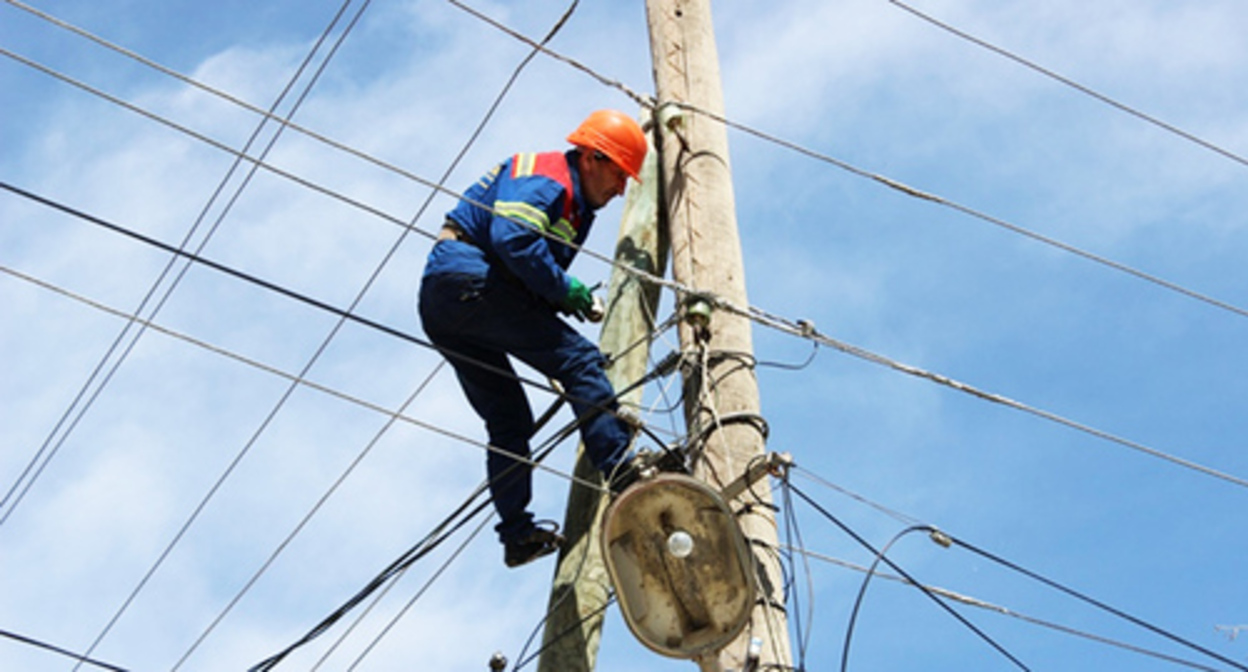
579,302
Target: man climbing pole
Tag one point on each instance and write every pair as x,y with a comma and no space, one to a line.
492,286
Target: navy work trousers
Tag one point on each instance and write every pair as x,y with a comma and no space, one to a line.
476,322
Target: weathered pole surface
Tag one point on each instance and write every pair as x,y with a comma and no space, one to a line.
581,586
721,402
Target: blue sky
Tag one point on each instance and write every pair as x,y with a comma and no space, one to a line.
861,81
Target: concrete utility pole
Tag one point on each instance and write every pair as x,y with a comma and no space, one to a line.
722,403
582,587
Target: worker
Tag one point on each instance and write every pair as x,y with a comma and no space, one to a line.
494,285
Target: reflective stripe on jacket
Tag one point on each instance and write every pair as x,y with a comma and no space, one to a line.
526,194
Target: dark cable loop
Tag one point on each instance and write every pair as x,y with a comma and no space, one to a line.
881,557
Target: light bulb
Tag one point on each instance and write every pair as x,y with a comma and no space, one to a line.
680,544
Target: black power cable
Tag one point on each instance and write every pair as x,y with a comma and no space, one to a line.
449,525
880,557
60,651
1096,603
945,539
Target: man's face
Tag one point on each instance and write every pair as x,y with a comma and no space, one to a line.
601,179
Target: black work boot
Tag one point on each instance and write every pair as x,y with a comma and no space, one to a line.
542,540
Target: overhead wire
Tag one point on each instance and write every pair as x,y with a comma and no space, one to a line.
964,386
473,136
1088,91
946,540
311,185
792,532
757,315
806,330
970,601
882,556
896,568
441,532
247,361
301,380
522,663
602,79
314,135
869,356
315,303
326,191
307,518
881,179
212,491
956,387
419,593
752,313
640,274
969,211
289,124
82,394
60,651
1070,592
898,516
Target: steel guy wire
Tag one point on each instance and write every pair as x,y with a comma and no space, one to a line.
1123,107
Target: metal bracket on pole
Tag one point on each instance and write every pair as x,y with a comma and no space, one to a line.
774,464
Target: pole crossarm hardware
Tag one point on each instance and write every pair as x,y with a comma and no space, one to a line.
773,464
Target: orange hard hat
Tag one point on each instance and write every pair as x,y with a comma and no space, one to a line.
615,134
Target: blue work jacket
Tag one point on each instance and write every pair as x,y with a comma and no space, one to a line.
543,192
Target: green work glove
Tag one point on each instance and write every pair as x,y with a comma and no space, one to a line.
579,301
